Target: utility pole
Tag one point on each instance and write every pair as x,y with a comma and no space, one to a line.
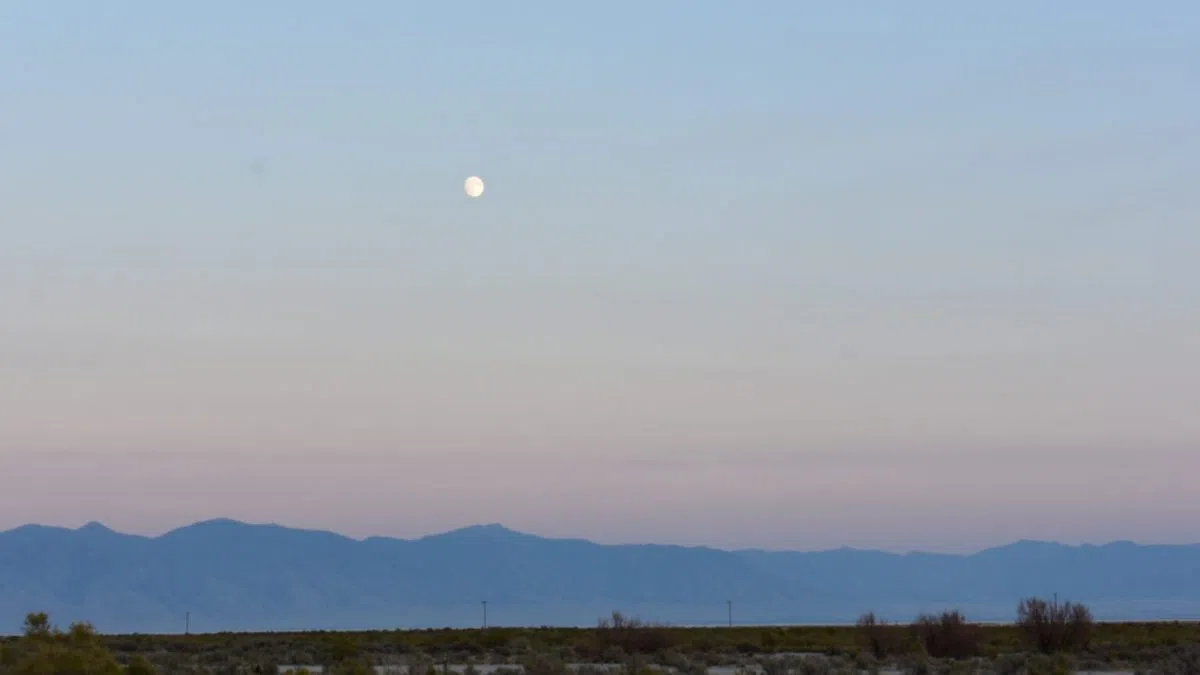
485,614
729,606
187,623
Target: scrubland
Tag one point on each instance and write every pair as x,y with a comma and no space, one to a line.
1046,637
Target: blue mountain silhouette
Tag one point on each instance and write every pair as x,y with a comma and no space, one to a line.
230,575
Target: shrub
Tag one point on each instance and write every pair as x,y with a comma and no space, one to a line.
1051,627
44,648
543,664
140,666
879,637
916,665
352,666
1184,660
1044,664
948,635
631,635
342,648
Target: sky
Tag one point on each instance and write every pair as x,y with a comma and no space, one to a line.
776,274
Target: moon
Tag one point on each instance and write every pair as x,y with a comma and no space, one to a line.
473,186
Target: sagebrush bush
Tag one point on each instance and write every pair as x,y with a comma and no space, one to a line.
1182,660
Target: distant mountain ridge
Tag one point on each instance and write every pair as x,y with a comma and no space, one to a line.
230,575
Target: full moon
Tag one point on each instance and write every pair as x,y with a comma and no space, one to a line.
473,186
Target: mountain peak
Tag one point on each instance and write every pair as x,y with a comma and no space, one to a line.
494,528
219,522
489,531
214,527
1026,546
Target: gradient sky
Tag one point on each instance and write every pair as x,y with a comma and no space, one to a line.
779,274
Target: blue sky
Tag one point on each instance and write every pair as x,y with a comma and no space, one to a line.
778,274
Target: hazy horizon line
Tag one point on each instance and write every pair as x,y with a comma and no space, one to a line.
431,534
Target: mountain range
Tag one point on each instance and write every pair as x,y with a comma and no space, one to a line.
228,575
